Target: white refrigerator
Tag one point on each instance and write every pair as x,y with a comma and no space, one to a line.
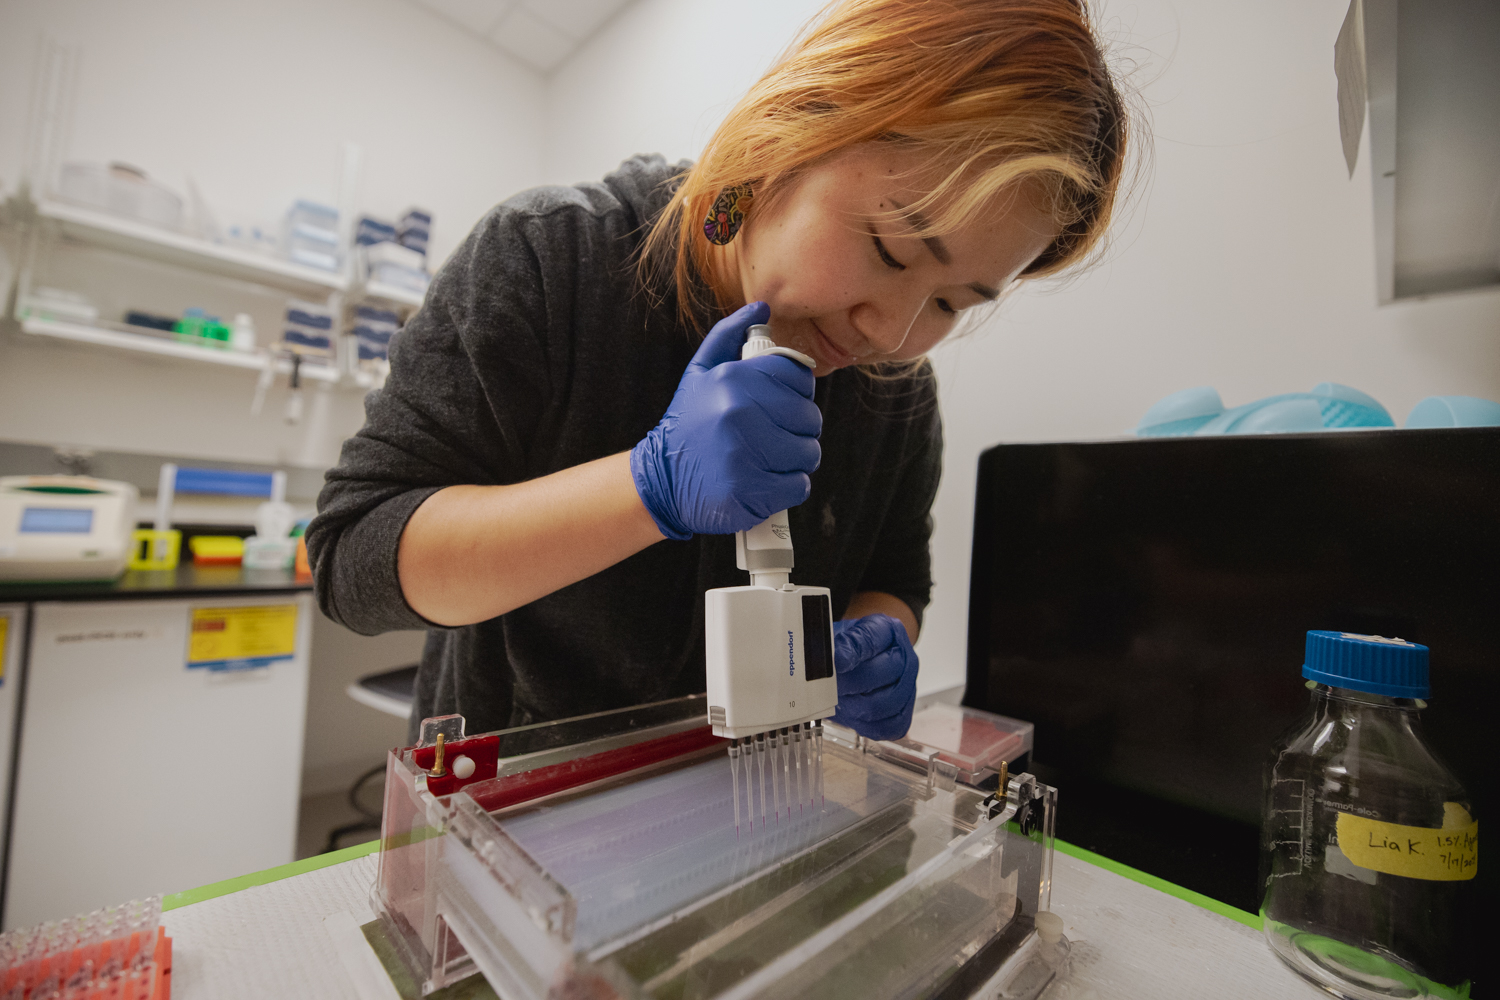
160,750
12,659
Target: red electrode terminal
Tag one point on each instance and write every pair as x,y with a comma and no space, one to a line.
450,765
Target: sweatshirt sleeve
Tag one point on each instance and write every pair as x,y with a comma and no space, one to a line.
902,560
468,383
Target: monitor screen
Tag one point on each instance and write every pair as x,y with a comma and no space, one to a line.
1146,603
56,520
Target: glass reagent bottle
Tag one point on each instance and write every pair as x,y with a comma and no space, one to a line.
1369,844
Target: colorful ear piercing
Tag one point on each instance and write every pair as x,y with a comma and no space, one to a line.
727,214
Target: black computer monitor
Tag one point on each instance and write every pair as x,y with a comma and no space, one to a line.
1145,603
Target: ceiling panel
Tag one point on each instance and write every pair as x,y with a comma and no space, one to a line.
540,33
479,16
532,40
575,18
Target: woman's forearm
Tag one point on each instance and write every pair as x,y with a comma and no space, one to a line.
470,553
870,602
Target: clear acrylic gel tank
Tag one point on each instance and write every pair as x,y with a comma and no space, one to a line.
1369,844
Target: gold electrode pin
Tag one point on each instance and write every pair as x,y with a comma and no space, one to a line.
437,761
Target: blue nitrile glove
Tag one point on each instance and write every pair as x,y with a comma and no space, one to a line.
877,673
738,442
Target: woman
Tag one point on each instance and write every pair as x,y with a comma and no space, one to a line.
552,475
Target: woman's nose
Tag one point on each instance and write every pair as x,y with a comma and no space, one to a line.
885,325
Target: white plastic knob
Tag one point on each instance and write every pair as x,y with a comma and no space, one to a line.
1049,926
759,343
463,768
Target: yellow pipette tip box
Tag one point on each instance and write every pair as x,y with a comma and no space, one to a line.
217,550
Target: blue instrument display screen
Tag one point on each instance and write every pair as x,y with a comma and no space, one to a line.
56,521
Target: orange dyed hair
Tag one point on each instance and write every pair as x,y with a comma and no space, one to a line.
996,90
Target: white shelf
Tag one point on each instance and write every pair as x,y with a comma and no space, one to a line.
161,347
392,294
143,240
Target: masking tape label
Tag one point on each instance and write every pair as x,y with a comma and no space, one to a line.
1449,854
241,638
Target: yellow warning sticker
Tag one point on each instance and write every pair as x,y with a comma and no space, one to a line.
242,638
1449,854
4,634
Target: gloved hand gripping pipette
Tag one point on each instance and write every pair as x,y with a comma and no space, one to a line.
735,448
769,651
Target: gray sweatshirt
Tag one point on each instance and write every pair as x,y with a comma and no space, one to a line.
537,350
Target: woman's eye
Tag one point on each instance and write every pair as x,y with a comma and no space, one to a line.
945,306
885,255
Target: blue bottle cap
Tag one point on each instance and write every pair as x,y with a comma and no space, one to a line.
1374,664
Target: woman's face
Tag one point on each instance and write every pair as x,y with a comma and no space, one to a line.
847,284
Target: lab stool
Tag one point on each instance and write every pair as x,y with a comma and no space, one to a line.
391,692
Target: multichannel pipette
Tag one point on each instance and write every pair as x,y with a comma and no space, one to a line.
770,652
793,751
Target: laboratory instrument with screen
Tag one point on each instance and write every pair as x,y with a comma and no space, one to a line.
57,528
595,857
769,650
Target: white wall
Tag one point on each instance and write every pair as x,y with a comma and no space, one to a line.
658,78
1246,261
252,101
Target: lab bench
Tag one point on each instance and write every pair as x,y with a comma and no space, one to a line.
295,932
608,857
150,733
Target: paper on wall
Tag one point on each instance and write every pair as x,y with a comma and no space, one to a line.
1349,68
